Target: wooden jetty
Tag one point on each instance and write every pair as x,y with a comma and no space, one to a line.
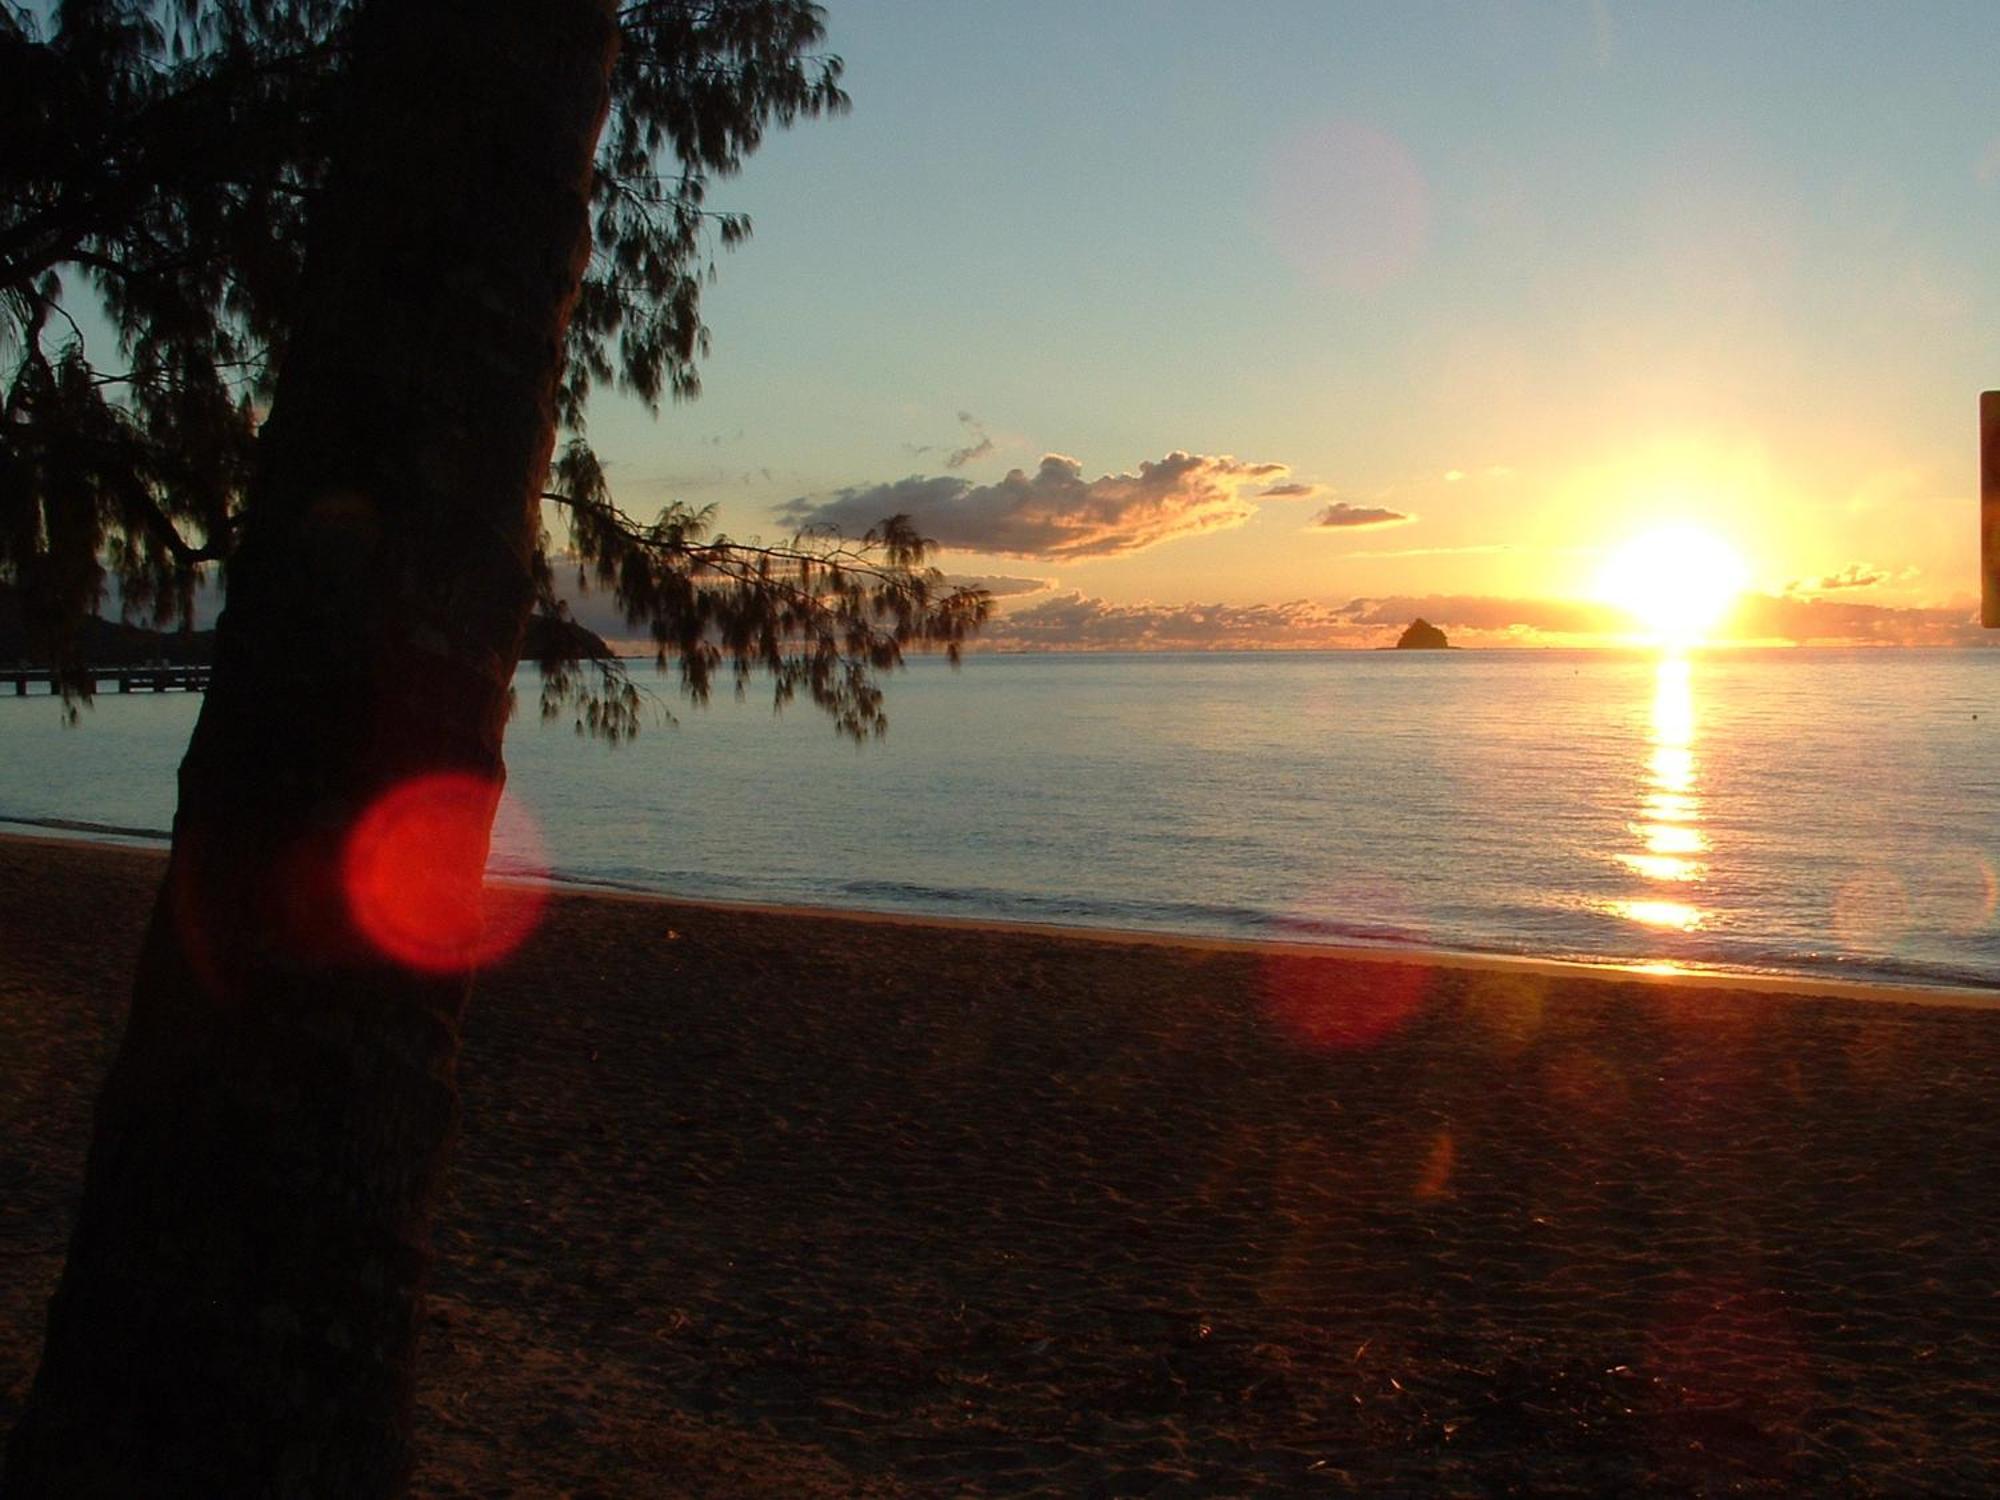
158,678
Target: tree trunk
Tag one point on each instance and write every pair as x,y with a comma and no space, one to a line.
240,1307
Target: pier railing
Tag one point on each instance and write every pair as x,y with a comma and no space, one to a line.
155,679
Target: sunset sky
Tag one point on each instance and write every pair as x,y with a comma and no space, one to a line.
1430,307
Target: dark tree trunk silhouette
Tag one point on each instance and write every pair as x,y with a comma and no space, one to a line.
242,1297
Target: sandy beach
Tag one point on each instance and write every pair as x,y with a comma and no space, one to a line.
755,1203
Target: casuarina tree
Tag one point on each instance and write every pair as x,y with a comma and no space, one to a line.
364,264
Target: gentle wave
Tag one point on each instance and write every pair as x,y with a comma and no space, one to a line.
1194,919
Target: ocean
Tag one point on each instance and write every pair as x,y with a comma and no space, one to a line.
1801,812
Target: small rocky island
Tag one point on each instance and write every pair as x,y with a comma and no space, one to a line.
1422,636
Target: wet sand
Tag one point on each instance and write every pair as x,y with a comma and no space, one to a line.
755,1203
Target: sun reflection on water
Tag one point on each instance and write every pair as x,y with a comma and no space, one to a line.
1668,829
1675,916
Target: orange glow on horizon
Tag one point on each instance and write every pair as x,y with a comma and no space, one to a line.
412,874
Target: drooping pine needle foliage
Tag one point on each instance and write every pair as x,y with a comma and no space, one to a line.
161,160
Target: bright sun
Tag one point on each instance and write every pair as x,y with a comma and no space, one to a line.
1678,581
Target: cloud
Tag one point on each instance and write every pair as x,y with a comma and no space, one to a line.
999,585
1474,550
1756,617
1340,515
1073,621
594,606
1493,615
979,447
1295,490
1853,576
1840,622
1054,512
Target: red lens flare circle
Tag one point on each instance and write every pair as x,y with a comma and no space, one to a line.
1333,1000
1338,1003
413,876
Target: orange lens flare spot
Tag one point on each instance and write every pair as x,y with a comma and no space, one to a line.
413,876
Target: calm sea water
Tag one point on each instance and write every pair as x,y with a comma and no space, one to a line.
1803,812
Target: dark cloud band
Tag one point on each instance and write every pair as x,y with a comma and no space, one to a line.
1053,513
1073,621
1342,516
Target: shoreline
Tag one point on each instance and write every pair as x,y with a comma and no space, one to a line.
1407,956
1795,986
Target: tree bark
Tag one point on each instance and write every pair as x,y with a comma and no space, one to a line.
240,1307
